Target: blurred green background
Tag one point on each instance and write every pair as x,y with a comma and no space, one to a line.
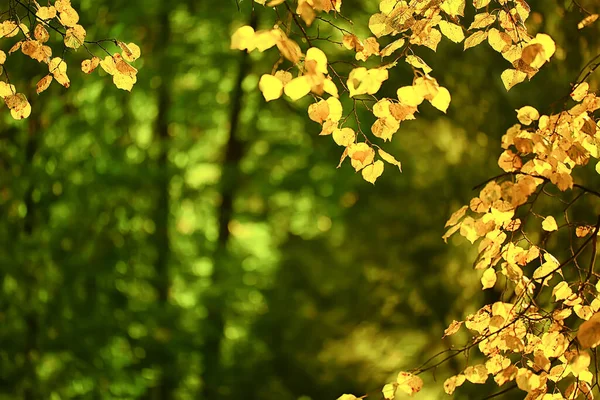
190,241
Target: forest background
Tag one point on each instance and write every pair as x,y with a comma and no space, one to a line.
189,240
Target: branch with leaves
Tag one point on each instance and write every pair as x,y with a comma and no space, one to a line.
31,24
532,339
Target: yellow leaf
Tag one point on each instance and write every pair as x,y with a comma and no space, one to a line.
347,397
370,47
46,13
335,109
385,127
526,115
549,224
297,88
409,383
583,312
124,82
456,216
131,51
441,101
488,280
74,36
68,16
287,47
88,66
265,39
476,374
452,31
41,34
580,91
475,39
58,68
379,26
43,84
6,89
371,172
319,111
452,329
598,167
409,96
270,86
19,106
499,41
453,382
512,77
361,155
344,136
587,21
589,332
562,291
389,391
480,3
482,20
453,7
363,81
389,159
538,50
319,58
243,38
417,62
392,47
528,381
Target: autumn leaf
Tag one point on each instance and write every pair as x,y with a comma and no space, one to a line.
549,224
371,172
409,383
43,84
271,87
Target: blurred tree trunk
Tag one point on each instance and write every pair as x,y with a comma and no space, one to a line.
162,351
31,350
216,298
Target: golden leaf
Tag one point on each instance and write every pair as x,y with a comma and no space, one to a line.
453,382
88,66
488,280
549,224
361,155
442,99
344,136
417,62
409,383
452,31
482,20
589,332
363,81
590,19
580,91
392,47
43,84
475,39
512,77
456,216
476,374
389,159
371,172
452,329
270,87
297,88
74,36
46,13
453,8
319,58
526,115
